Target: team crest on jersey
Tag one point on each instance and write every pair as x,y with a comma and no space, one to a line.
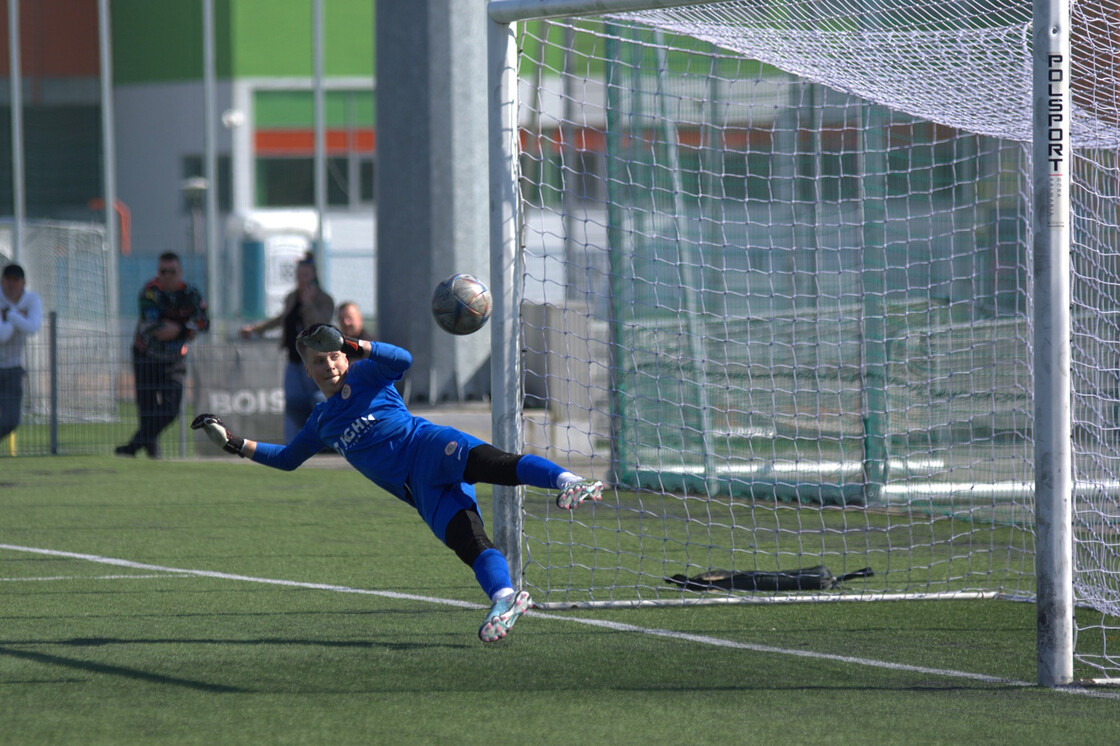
450,448
346,391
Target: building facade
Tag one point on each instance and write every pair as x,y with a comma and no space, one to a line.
265,144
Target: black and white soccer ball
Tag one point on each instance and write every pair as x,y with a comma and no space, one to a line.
461,304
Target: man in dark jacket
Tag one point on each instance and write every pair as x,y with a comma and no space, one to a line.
171,314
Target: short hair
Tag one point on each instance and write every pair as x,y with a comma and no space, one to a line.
170,256
301,347
14,271
346,304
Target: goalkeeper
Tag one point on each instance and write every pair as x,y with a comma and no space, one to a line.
432,468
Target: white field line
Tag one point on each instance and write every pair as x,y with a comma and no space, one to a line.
244,578
88,577
616,626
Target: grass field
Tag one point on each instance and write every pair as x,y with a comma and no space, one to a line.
221,602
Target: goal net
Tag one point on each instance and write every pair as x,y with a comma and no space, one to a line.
68,265
776,291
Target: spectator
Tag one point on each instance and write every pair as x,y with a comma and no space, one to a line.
308,304
172,313
350,321
21,315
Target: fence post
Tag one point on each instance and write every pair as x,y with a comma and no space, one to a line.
52,326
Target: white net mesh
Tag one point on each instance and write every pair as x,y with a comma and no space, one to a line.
68,265
777,273
963,64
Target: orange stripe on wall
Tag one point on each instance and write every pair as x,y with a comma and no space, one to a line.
293,142
594,140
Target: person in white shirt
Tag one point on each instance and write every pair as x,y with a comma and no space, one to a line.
21,315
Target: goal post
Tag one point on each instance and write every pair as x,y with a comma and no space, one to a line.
505,339
1053,466
795,281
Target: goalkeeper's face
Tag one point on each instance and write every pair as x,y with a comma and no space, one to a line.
327,369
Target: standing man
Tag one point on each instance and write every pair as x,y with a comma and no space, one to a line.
21,315
171,314
350,321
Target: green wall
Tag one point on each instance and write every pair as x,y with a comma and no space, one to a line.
273,38
296,109
162,42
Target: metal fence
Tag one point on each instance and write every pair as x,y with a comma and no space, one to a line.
79,393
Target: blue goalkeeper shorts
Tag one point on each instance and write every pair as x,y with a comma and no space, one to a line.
436,479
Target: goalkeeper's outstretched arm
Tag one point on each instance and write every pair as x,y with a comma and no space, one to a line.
283,457
216,430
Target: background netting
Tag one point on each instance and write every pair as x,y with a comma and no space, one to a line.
778,290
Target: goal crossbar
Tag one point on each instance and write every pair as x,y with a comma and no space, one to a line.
512,11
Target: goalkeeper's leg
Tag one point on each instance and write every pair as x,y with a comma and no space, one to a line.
488,464
466,536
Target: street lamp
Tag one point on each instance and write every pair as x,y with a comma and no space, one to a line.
194,189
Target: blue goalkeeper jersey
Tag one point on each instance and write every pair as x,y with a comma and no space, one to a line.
368,423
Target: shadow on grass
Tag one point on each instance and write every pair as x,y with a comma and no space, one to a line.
129,673
94,642
364,644
14,649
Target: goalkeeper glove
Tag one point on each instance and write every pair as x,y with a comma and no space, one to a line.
326,338
218,433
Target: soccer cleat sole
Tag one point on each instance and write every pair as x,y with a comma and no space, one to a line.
576,494
497,627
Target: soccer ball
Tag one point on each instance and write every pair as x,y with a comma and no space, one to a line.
461,304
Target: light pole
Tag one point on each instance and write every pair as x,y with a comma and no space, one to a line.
194,189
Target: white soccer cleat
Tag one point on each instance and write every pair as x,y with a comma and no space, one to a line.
575,493
503,614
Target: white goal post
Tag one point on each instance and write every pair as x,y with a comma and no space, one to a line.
795,280
1053,458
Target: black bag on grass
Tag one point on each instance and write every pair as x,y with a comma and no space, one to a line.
818,578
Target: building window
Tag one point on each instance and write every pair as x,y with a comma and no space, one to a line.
284,143
290,182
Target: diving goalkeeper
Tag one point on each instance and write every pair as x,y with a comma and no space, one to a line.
431,467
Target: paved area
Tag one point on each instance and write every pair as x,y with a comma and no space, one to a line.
470,417
543,437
